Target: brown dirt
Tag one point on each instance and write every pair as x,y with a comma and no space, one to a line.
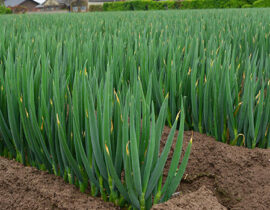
217,176
27,188
200,199
238,177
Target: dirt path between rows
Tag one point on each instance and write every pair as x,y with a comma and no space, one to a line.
28,188
238,177
218,176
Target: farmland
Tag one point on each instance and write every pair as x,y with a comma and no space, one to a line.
87,96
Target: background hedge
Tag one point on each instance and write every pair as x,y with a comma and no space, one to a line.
262,3
188,4
141,5
4,10
204,4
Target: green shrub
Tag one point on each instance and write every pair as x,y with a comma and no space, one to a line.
188,4
250,1
4,10
235,3
208,4
200,4
95,8
247,6
141,5
261,3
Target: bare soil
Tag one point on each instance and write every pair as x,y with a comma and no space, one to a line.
218,176
238,177
203,198
28,188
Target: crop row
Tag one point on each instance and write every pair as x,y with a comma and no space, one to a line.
87,96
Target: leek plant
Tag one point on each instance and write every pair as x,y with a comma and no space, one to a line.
83,131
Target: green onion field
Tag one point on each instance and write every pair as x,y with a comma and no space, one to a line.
87,96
